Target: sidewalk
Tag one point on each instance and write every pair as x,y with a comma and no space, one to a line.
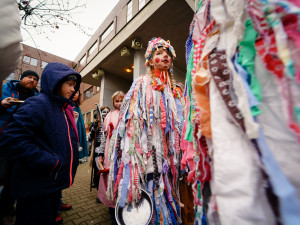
84,210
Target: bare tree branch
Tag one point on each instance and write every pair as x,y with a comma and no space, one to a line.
51,14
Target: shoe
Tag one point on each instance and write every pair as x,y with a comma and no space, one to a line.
98,201
58,219
64,207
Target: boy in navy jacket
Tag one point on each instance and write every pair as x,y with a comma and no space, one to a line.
42,141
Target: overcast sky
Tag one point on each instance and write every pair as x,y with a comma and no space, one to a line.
67,41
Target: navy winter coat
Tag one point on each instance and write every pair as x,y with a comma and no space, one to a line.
41,141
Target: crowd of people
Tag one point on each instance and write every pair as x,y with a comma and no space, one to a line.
43,137
206,153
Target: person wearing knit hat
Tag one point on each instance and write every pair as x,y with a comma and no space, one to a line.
29,73
15,92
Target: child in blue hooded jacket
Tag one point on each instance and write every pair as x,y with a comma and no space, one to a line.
42,141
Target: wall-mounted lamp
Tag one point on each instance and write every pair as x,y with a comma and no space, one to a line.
125,52
128,70
136,44
98,74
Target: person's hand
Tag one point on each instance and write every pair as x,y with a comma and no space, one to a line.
7,102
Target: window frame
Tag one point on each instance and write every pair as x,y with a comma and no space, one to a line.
25,56
90,89
129,11
93,48
142,5
108,30
42,64
34,60
82,60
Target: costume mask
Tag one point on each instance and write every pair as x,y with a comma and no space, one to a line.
104,113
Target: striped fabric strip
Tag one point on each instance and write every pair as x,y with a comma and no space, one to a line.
136,181
130,192
151,115
118,179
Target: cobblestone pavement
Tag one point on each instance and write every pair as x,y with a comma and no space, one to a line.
84,210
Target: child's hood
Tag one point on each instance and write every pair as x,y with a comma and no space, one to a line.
53,74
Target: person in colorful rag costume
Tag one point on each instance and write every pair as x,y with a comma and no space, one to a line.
144,149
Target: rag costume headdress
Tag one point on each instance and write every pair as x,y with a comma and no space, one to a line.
156,43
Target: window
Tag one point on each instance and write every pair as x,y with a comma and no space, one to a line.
88,93
93,48
11,76
44,64
97,89
33,62
129,11
107,32
26,59
39,84
141,4
82,60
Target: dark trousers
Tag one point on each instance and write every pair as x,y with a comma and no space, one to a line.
6,203
6,200
38,210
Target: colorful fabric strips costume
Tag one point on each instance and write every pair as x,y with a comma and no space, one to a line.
144,148
241,136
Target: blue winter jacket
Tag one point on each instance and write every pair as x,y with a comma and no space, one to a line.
10,89
41,141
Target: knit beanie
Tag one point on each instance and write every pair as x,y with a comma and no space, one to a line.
30,73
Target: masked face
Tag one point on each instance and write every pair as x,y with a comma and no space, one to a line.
104,113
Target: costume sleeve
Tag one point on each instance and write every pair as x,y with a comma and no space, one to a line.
18,140
10,36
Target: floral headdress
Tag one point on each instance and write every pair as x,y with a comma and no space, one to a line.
154,44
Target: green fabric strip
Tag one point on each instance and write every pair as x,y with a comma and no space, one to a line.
246,58
188,135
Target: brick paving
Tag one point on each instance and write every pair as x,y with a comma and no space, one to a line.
84,210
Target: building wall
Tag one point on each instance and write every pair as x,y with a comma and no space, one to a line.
39,57
88,104
101,95
118,16
111,86
36,59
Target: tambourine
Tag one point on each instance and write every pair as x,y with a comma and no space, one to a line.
138,214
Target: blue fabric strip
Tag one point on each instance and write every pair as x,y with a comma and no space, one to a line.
125,184
244,75
289,205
